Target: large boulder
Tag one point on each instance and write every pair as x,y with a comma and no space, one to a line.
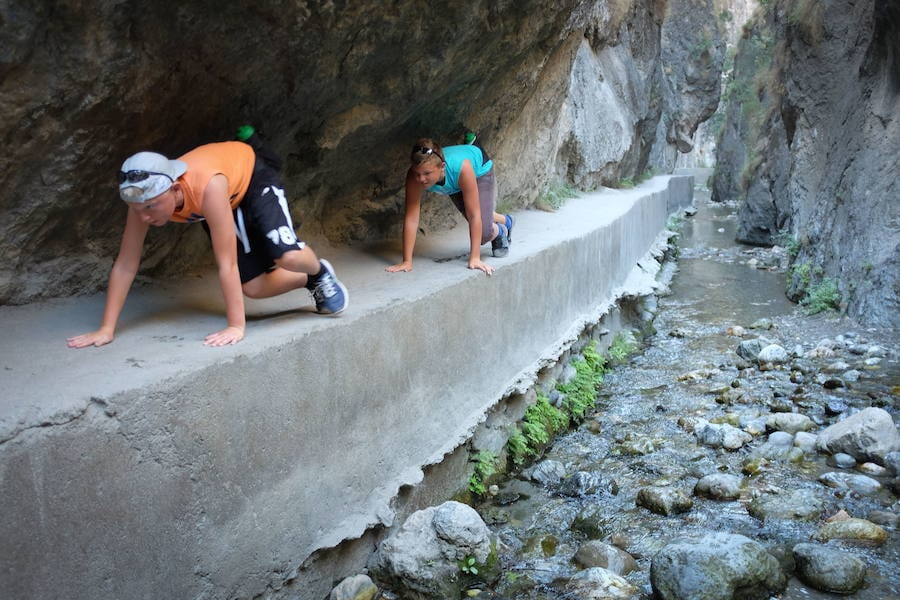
423,557
829,569
869,434
718,566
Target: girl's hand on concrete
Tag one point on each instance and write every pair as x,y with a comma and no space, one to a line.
226,337
406,266
481,266
96,338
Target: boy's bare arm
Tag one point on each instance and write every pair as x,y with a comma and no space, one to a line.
121,277
218,213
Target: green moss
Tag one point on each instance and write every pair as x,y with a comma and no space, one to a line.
823,296
485,466
555,196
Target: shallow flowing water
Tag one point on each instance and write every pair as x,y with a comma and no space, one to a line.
640,434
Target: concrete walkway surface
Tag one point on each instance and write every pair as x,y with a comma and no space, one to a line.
157,467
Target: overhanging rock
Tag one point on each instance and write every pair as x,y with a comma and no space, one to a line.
157,467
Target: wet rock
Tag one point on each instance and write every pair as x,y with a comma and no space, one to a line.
851,376
762,323
749,349
599,584
876,351
780,404
423,554
798,505
358,587
869,468
547,472
719,486
600,554
735,330
594,521
829,383
850,481
664,500
892,463
869,434
842,460
722,436
584,483
789,422
829,569
805,441
637,445
718,566
852,530
836,367
883,518
835,407
773,354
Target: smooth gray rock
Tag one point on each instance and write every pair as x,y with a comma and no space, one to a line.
750,349
805,441
789,422
595,553
842,460
718,566
869,434
719,486
664,500
850,481
722,436
599,584
548,472
422,555
829,569
774,354
796,504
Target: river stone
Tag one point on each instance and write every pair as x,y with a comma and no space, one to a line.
829,569
762,323
842,460
797,504
548,472
805,441
594,522
722,436
869,434
664,500
718,566
599,584
852,530
774,354
358,587
750,349
789,422
884,518
600,554
422,555
719,486
583,483
870,468
892,463
852,375
862,484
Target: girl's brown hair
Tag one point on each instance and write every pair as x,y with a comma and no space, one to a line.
424,150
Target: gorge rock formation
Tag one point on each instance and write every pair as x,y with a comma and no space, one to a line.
576,92
811,145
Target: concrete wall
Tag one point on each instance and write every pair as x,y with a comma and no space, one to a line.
158,468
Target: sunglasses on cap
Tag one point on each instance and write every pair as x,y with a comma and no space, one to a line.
136,176
427,151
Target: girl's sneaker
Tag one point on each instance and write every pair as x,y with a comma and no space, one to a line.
500,244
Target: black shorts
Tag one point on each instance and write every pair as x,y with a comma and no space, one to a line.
263,224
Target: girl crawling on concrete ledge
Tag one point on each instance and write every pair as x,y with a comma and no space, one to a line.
466,174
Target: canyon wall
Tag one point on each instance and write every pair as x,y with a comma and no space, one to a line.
811,145
577,92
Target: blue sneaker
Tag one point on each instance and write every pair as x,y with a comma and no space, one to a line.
509,225
330,294
500,244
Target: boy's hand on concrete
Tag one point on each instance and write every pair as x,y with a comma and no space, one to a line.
226,337
481,266
96,338
406,266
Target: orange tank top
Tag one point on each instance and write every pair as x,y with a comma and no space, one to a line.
234,160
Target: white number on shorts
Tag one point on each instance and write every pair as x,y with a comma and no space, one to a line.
284,235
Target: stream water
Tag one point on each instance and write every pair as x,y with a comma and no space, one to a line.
641,432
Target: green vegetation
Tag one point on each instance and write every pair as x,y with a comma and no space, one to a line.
620,349
485,466
803,275
468,565
823,296
555,196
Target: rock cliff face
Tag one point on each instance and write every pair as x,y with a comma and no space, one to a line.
811,146
574,92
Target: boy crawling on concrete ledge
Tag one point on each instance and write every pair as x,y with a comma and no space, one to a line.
235,188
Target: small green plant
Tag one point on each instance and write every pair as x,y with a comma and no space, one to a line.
620,348
468,565
518,449
581,391
803,275
823,296
555,196
485,466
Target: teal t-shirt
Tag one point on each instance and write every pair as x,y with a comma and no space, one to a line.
454,157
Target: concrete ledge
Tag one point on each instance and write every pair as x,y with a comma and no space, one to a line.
157,468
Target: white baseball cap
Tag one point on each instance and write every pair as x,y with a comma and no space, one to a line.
146,175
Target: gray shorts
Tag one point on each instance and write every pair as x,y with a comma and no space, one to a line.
487,197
